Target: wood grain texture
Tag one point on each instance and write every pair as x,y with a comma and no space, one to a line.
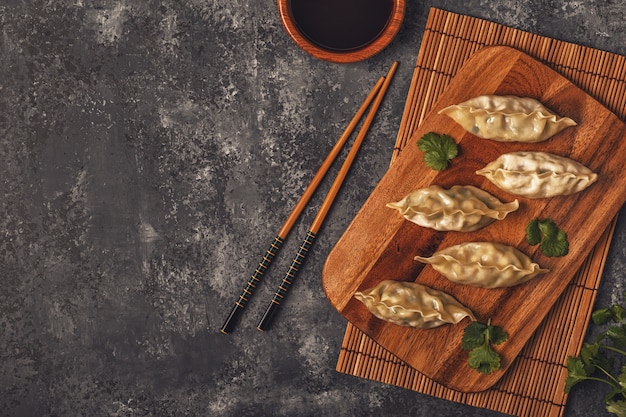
379,244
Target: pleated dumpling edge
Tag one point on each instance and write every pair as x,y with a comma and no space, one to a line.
462,208
507,118
413,305
484,264
535,174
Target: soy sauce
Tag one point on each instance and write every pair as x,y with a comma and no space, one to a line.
341,25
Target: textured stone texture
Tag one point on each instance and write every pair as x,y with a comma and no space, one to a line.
149,152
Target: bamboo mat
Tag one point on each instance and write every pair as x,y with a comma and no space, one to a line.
533,385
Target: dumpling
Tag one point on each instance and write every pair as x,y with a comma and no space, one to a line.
414,305
484,264
538,174
462,208
507,118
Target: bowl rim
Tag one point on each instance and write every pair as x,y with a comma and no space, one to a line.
354,55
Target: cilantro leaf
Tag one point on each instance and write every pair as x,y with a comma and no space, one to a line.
575,372
618,312
555,245
548,227
593,358
533,234
435,161
438,150
601,316
616,391
603,361
498,335
622,379
484,360
553,241
596,361
617,334
477,338
474,335
616,407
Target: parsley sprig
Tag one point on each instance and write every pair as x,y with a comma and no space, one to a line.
438,150
596,361
478,338
552,240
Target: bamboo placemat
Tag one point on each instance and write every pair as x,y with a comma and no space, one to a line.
533,385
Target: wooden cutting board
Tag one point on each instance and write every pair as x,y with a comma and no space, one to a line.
380,244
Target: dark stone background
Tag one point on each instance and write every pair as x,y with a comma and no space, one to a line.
149,152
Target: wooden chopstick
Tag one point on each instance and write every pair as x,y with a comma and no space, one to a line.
276,244
298,260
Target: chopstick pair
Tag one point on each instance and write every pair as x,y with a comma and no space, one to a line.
376,95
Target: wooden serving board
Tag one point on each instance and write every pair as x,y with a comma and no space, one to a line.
380,244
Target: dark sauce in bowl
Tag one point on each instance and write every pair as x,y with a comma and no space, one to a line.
341,25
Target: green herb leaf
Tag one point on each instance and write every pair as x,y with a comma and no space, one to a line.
575,372
548,227
474,335
484,360
596,360
603,362
601,316
497,335
588,354
555,245
533,234
622,379
435,161
438,150
616,407
553,241
618,312
617,334
616,391
477,338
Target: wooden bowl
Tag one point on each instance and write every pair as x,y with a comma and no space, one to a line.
347,55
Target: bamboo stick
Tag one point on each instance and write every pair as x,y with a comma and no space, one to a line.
276,244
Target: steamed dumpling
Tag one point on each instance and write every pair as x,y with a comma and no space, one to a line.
538,174
484,264
507,118
414,305
462,208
